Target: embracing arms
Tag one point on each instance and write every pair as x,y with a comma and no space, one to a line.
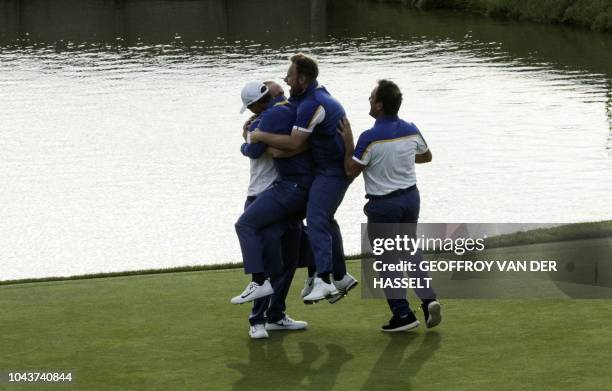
351,167
290,142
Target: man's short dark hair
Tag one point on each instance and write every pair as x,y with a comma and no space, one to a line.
389,94
305,66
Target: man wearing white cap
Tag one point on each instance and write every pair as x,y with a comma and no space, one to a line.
277,196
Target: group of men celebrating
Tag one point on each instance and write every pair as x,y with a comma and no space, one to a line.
303,159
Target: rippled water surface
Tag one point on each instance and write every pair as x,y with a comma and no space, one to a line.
120,131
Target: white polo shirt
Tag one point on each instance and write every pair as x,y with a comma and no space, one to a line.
387,151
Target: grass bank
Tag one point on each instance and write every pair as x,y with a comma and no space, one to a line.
592,14
178,332
561,233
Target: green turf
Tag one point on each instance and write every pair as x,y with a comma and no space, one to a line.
179,332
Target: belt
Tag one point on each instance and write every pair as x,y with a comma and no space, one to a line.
392,194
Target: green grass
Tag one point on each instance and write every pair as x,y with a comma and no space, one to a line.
179,332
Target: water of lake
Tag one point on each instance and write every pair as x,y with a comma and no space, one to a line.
120,125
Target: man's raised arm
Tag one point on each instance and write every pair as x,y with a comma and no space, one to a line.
279,153
290,143
309,115
248,149
253,151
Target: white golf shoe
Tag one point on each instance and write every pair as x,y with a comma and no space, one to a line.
258,331
252,292
433,313
287,324
344,285
308,285
320,291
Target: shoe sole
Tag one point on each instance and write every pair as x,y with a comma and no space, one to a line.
407,327
342,293
262,337
328,297
274,327
302,296
435,315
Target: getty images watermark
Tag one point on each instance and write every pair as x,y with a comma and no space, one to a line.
483,261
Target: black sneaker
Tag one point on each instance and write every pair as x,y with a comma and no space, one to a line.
398,323
433,313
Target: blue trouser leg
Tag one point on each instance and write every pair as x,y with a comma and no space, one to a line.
306,259
271,236
258,313
402,209
338,261
273,265
411,207
272,308
410,215
272,206
271,252
384,217
326,194
282,282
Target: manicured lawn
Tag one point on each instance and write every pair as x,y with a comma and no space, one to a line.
179,332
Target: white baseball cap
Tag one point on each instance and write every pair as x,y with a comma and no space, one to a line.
251,93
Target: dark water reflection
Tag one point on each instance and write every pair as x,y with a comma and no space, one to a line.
198,25
133,22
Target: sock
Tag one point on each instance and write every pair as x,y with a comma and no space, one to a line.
259,278
326,277
311,271
338,277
